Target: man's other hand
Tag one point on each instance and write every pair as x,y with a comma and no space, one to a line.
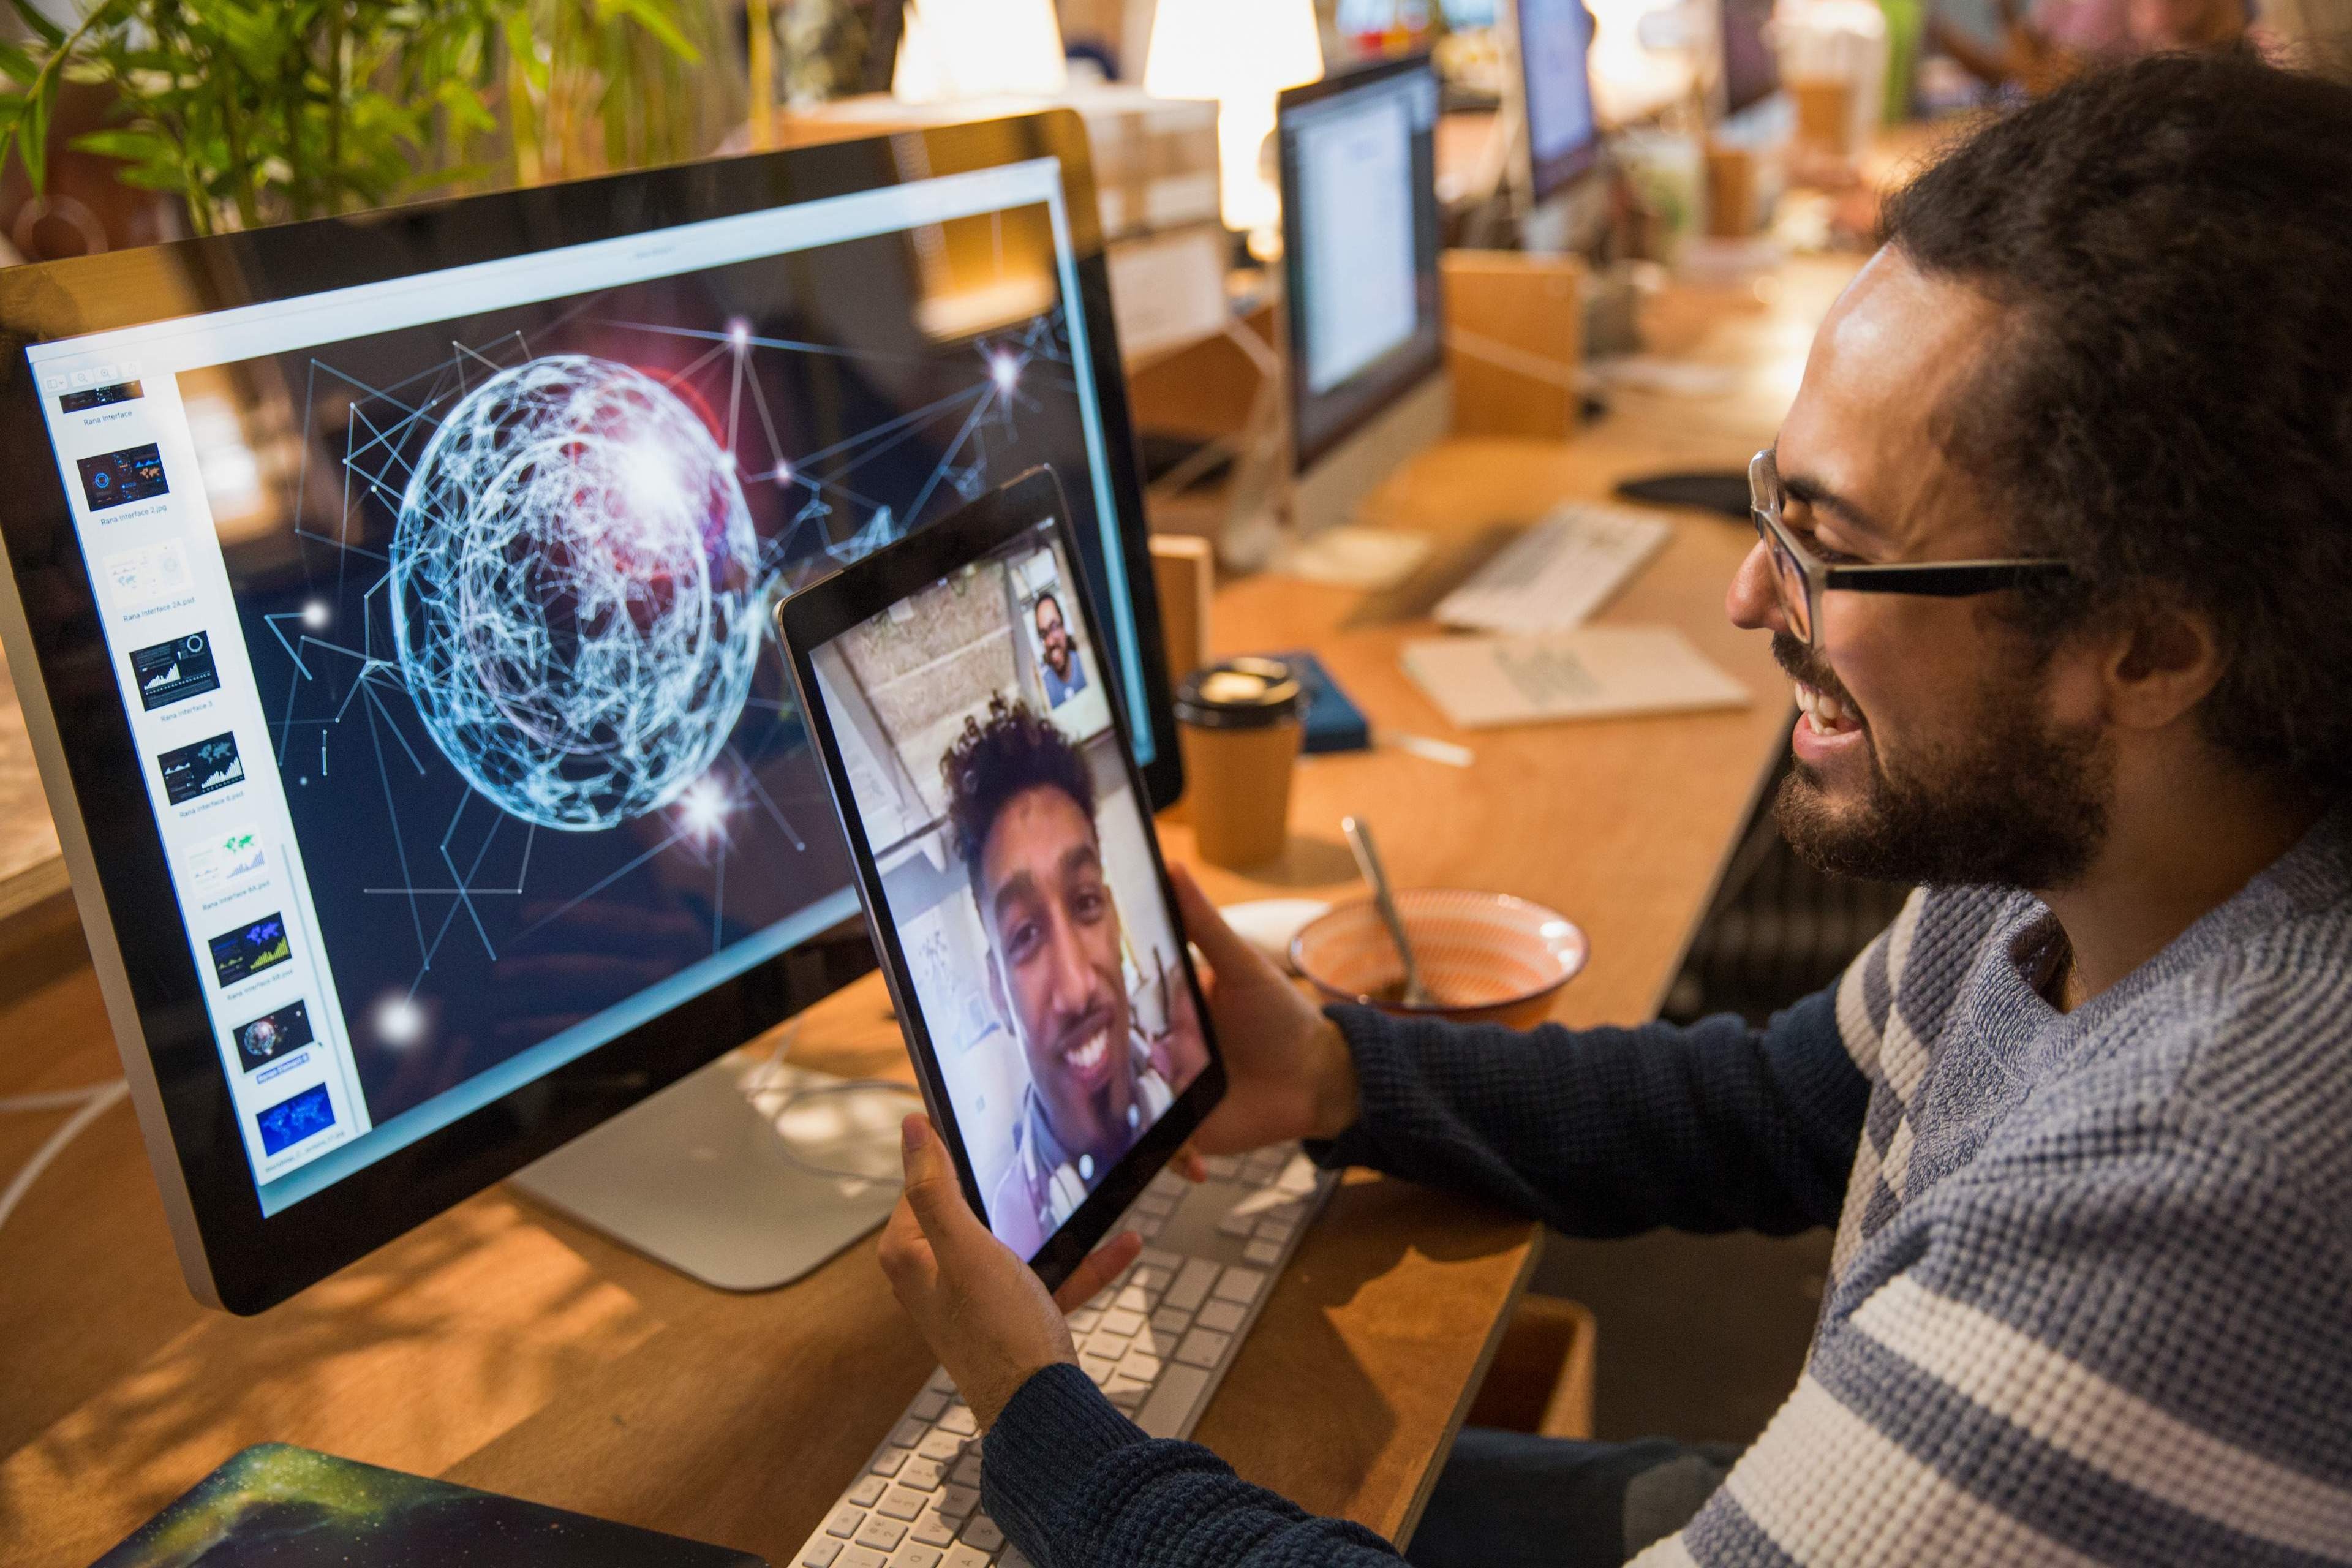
984,1314
1289,1073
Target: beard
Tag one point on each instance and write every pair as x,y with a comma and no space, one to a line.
2018,803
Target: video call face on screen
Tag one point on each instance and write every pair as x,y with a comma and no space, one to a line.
1017,870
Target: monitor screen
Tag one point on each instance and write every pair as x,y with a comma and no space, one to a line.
1361,231
1752,72
1555,38
436,609
1014,862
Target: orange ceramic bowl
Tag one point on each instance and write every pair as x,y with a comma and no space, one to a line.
1487,958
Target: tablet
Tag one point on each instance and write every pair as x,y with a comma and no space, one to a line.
955,686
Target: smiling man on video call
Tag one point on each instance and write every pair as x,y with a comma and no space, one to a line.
1021,801
1064,677
2056,544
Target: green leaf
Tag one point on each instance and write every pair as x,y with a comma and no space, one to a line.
16,64
33,17
130,145
33,135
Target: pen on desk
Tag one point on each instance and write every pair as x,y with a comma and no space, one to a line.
1445,751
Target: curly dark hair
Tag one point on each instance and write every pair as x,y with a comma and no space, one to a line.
2168,406
1015,749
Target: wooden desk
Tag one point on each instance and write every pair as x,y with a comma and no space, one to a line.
505,1348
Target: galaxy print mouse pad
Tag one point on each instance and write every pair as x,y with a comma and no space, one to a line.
277,1506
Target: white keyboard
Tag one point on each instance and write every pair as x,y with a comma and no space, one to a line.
1559,571
1157,1341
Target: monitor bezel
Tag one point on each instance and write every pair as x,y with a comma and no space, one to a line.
848,599
233,1255
1410,375
1547,178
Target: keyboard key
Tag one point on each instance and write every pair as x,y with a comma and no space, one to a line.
1298,1176
1168,1320
1151,1341
941,1381
934,1528
1099,1367
1191,1286
966,1472
945,1446
923,1474
1139,1363
957,1502
1168,1183
820,1554
1262,1252
890,1461
910,1432
866,1492
882,1534
1239,1223
1275,1229
1204,1348
1148,1226
1084,1320
958,1420
1165,1413
1134,1299
981,1530
966,1557
1222,1316
1013,1559
1122,1322
900,1504
1150,1278
1153,1258
915,1555
863,1557
1154,1205
844,1522
928,1404
1127,1392
1223,1167
1239,1284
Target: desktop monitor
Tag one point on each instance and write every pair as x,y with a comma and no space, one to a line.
1361,230
389,599
1751,71
1553,41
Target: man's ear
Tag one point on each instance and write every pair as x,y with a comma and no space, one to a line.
2165,661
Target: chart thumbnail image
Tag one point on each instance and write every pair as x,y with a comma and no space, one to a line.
242,954
200,769
289,1122
135,473
174,672
274,1035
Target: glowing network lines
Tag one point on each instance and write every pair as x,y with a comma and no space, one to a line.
576,593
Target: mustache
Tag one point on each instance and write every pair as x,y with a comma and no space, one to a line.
1094,1020
1803,664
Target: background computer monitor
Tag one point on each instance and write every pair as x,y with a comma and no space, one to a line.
388,600
1361,232
1552,40
1752,72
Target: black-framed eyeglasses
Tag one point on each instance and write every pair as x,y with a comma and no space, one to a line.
1800,577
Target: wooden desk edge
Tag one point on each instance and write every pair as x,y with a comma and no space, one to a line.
1411,1521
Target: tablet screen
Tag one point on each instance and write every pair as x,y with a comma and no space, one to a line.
1015,863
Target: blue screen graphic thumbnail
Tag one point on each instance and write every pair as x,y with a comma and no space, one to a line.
289,1122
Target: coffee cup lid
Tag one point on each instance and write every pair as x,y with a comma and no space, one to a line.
1246,693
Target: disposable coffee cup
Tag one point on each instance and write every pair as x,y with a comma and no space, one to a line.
1239,724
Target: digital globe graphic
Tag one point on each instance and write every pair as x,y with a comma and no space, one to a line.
576,592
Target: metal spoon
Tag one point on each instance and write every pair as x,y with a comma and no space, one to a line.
1368,861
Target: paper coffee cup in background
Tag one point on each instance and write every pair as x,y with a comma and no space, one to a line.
1239,724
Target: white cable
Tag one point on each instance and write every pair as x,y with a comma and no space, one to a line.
95,1103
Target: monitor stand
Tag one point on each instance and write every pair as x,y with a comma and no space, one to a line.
724,1174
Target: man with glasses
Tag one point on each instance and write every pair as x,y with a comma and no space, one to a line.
2056,546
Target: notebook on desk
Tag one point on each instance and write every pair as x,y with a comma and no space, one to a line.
1593,673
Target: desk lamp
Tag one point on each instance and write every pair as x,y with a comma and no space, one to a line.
1242,53
979,49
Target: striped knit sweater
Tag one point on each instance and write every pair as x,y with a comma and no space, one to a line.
2092,1295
